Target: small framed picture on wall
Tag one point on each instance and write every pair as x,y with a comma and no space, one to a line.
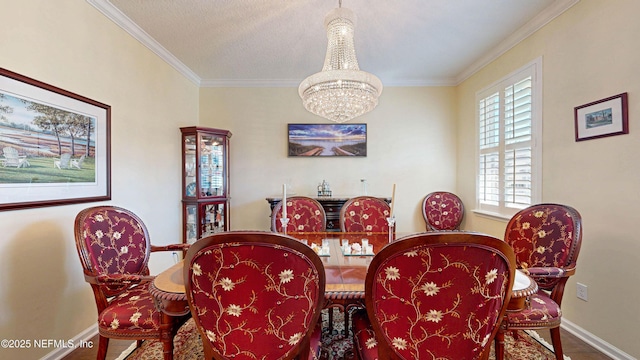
606,117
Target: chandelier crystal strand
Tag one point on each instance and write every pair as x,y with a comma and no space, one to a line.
341,91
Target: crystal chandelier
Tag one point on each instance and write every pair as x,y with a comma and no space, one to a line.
341,91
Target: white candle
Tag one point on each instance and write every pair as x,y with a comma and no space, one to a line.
393,198
284,201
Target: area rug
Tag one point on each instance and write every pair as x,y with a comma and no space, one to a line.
188,345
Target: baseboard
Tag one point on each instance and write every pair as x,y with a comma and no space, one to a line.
82,338
601,345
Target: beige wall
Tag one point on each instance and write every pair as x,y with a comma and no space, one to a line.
69,44
589,53
410,142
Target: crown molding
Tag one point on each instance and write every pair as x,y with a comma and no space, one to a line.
528,29
120,19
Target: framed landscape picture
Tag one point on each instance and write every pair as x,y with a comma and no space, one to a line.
606,117
54,145
327,140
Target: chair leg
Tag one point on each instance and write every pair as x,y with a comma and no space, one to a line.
557,344
346,322
499,343
103,344
485,354
330,314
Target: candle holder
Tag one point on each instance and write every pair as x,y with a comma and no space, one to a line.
391,221
364,186
284,221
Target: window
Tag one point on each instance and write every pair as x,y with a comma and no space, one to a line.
509,142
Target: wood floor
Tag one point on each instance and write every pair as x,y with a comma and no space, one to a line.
573,347
116,347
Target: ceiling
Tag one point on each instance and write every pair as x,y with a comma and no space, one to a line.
281,42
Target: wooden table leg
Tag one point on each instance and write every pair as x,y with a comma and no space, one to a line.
174,311
168,331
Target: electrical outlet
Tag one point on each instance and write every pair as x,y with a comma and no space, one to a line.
581,290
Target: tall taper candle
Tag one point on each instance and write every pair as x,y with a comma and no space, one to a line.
393,198
284,201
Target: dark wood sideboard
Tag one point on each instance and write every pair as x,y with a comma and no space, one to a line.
331,205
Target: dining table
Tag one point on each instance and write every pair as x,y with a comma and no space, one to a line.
343,255
346,257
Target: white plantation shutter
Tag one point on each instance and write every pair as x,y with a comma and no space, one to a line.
517,178
508,132
490,121
517,139
489,131
490,178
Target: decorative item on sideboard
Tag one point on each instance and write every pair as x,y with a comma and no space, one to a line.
324,189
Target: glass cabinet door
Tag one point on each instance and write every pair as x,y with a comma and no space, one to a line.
191,224
212,160
190,166
212,215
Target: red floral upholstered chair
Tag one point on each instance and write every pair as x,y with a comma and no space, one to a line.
305,215
364,214
114,248
255,295
546,239
437,295
442,211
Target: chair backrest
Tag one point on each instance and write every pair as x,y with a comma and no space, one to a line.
112,241
78,163
439,295
10,152
11,157
65,160
305,215
365,214
254,295
442,210
545,236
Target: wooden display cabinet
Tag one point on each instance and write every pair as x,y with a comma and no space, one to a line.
205,182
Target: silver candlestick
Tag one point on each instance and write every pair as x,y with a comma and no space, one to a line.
391,221
284,221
